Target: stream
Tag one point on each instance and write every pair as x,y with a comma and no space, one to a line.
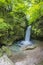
27,56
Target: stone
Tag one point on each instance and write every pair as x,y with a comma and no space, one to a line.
4,60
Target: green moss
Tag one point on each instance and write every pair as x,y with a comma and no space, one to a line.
41,63
3,26
37,29
6,50
1,52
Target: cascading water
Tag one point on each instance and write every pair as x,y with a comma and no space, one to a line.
24,43
27,37
28,32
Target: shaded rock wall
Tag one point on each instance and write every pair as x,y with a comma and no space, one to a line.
37,29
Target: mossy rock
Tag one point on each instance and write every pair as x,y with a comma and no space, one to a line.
37,29
1,52
6,50
12,27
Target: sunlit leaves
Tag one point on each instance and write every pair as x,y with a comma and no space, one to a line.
34,13
30,8
41,8
19,6
2,1
3,26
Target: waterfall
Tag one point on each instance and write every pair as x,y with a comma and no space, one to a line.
27,38
28,32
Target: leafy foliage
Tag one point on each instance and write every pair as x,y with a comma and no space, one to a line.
37,29
15,15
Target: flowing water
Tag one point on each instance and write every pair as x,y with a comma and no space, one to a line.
27,37
28,33
24,44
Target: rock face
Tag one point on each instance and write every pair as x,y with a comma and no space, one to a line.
4,60
37,29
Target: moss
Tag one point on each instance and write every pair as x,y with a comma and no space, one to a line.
37,29
1,52
12,28
6,50
41,63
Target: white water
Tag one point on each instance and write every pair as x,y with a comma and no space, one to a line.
28,32
27,37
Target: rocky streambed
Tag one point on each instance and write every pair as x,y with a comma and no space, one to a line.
25,57
29,57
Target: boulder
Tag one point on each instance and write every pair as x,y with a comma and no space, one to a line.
4,60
